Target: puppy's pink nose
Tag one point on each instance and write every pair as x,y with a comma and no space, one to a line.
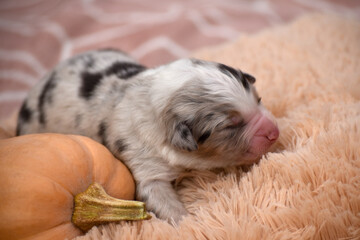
273,134
268,129
266,134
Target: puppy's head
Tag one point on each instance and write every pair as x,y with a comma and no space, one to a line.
216,116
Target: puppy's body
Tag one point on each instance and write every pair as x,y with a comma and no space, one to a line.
187,114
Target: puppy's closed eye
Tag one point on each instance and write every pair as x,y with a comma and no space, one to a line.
204,136
236,121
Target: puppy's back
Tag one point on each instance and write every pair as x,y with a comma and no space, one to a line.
77,93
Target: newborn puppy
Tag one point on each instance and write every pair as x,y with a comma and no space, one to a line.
189,114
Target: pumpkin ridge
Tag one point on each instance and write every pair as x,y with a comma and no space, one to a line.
42,176
109,178
78,140
82,140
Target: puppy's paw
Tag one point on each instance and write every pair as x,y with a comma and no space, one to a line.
177,216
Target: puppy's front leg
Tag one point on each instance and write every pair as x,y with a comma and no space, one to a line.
161,198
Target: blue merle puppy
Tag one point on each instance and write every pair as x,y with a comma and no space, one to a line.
189,114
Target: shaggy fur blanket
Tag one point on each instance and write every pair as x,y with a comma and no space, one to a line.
308,187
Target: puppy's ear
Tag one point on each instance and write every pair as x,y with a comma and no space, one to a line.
182,138
250,78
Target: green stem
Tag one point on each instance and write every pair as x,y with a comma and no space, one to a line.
95,207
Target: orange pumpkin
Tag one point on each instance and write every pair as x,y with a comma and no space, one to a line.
40,175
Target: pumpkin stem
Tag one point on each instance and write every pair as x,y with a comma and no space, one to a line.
95,207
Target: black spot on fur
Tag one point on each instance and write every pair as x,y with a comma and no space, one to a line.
231,72
120,145
204,136
89,83
25,113
124,70
25,116
102,132
46,97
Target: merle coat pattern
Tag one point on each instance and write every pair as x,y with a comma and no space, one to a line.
187,114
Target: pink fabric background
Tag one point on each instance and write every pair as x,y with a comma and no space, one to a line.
37,34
